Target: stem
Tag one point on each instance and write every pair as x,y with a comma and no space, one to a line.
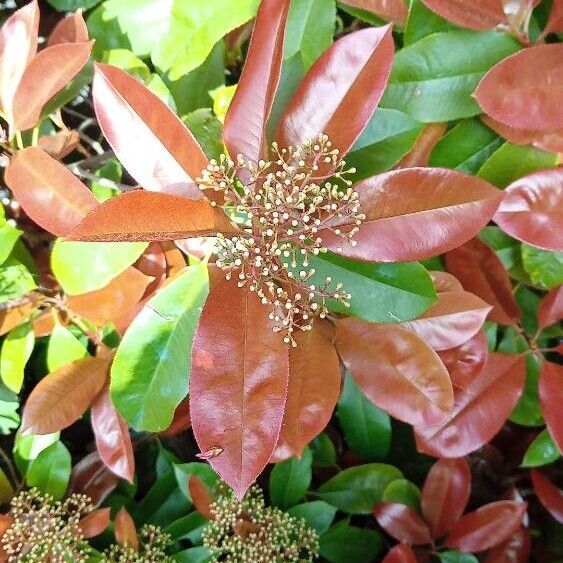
10,466
19,140
35,136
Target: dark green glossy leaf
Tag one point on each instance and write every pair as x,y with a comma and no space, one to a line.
403,491
50,470
344,543
198,554
364,15
457,557
73,5
187,527
183,472
290,480
541,451
324,452
422,22
318,514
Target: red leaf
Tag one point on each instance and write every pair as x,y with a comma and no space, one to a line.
452,320
50,71
400,554
480,271
389,10
515,549
61,397
487,526
549,495
445,494
48,192
445,282
71,29
419,155
91,477
396,370
479,410
521,90
477,14
313,390
238,383
416,213
531,209
125,531
18,45
94,523
112,437
200,496
340,91
402,522
551,399
245,122
148,138
181,421
550,309
140,215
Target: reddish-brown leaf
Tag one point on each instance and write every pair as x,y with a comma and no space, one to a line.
153,263
43,324
238,383
71,29
445,494
396,370
390,10
550,309
48,191
200,496
61,397
419,155
50,71
246,119
60,144
549,495
91,477
532,209
445,282
479,411
341,90
112,437
181,420
477,14
313,390
402,522
94,523
148,138
12,316
125,531
18,45
416,213
521,90
515,549
141,215
551,399
452,320
400,554
480,271
487,526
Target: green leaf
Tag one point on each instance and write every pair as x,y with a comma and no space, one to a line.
344,543
433,79
381,293
324,452
9,417
50,470
73,5
510,162
16,351
183,472
6,488
207,130
529,302
422,22
403,491
456,557
318,514
150,372
187,527
63,348
81,267
128,61
541,451
199,25
528,410
15,280
112,171
198,554
8,237
544,267
364,15
367,428
465,147
389,135
106,31
28,447
309,29
357,489
290,480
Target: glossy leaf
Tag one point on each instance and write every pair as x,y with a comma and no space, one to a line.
519,90
551,308
404,492
544,267
246,119
530,209
402,523
50,470
200,496
290,480
549,495
487,526
343,543
91,477
354,68
444,282
13,316
148,138
49,193
57,400
516,549
71,29
400,554
94,523
551,395
238,384
63,348
150,373
396,370
419,155
389,10
125,531
318,514
445,494
183,473
479,410
15,280
141,215
417,213
541,451
16,351
479,14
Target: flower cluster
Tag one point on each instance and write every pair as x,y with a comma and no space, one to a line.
45,530
249,531
283,205
152,548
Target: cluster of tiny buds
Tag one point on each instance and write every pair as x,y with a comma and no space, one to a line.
284,205
152,548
